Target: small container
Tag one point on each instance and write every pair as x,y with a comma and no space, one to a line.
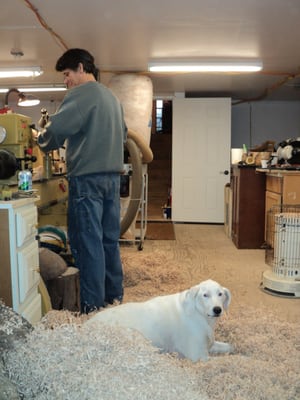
167,212
25,180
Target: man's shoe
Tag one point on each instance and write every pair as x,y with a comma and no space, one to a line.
115,301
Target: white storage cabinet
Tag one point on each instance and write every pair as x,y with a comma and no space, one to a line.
19,258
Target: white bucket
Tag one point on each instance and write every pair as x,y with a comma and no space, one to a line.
236,155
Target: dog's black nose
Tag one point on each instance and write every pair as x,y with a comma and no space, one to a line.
217,310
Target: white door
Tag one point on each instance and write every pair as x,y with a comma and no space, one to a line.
200,158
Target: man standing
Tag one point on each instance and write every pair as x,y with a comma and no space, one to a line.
90,121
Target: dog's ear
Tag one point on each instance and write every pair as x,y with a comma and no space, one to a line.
189,299
227,298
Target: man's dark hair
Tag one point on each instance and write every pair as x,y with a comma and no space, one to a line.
73,57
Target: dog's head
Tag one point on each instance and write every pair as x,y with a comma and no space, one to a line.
209,298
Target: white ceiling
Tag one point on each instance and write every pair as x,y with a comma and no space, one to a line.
124,34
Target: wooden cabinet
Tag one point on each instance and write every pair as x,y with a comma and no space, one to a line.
19,262
248,207
282,187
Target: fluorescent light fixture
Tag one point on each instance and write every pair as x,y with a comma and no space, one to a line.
35,89
54,88
205,65
20,72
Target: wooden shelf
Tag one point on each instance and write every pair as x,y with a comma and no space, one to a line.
248,207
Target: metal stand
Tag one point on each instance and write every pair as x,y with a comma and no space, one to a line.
140,223
143,211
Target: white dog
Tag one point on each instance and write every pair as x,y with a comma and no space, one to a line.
181,322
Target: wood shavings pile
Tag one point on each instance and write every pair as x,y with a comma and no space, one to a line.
12,327
74,362
266,361
65,360
144,276
54,319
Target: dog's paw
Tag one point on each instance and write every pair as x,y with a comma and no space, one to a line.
231,348
221,347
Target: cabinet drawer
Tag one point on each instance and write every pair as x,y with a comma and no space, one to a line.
28,275
26,223
291,190
274,184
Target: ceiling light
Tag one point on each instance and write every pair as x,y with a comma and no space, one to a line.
27,100
19,72
33,89
205,65
54,88
23,100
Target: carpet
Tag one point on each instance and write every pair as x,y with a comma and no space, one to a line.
160,230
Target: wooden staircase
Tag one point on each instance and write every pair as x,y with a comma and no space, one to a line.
159,174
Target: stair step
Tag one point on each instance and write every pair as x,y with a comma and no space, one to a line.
159,174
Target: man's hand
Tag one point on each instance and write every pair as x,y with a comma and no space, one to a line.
44,118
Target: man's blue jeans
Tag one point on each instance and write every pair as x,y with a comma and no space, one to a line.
94,232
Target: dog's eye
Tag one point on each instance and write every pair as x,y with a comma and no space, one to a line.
220,294
205,295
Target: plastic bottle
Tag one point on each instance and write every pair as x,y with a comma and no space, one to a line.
25,180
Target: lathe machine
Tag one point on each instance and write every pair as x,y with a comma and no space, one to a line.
19,151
